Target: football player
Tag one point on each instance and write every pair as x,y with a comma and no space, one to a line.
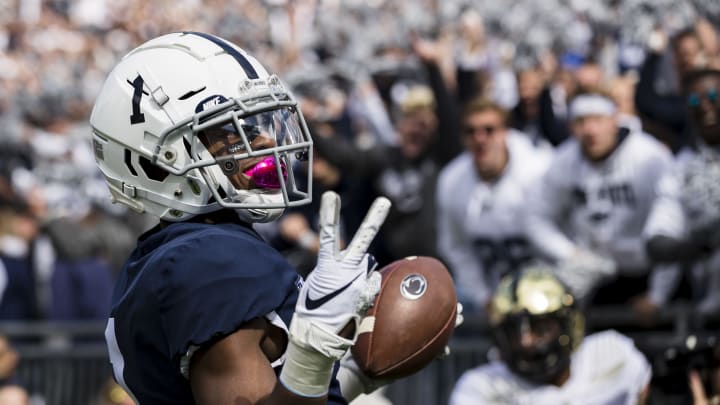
190,128
544,358
684,224
589,210
479,196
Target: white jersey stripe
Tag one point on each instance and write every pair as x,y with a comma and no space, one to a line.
116,357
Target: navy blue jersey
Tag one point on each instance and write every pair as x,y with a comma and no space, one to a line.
188,285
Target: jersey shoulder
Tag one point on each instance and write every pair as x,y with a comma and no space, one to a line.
457,176
528,161
645,147
492,383
457,170
566,158
611,356
208,280
185,250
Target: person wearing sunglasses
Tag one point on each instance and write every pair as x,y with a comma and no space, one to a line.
684,226
589,210
479,197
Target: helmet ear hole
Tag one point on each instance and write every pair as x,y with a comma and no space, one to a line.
152,171
128,162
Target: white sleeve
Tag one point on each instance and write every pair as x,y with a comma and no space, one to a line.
639,371
613,357
663,281
3,280
470,390
666,216
630,252
455,249
547,201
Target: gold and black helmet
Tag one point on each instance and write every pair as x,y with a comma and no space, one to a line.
536,323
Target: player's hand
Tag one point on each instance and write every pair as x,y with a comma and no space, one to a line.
427,51
657,41
645,309
698,391
342,286
459,319
354,382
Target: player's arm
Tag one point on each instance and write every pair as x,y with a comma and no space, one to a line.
548,201
236,370
666,227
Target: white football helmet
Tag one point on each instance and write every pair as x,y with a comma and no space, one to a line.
188,123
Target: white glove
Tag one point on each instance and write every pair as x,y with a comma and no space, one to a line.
354,382
338,292
342,286
583,272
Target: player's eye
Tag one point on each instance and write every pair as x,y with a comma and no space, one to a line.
251,132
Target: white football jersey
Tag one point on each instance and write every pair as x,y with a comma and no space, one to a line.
480,233
606,369
598,206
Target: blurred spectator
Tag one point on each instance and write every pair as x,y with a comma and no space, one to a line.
544,358
589,210
480,195
665,112
708,36
622,91
82,278
573,77
18,230
407,173
475,57
525,116
684,224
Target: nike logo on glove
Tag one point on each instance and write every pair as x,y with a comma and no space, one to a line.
314,304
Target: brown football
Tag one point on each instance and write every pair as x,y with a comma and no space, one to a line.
411,321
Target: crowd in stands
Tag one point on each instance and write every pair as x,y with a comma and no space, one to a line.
461,112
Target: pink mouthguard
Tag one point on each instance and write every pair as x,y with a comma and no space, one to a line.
265,175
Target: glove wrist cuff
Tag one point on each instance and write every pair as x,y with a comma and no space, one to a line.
306,372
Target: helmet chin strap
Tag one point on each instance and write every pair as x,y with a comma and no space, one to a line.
253,215
259,215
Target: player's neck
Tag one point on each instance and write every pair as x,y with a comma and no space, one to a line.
492,172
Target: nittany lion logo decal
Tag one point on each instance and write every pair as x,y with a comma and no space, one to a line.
413,286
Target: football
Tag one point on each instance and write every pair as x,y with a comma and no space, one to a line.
411,321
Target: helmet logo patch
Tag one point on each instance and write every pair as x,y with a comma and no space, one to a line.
413,286
210,102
